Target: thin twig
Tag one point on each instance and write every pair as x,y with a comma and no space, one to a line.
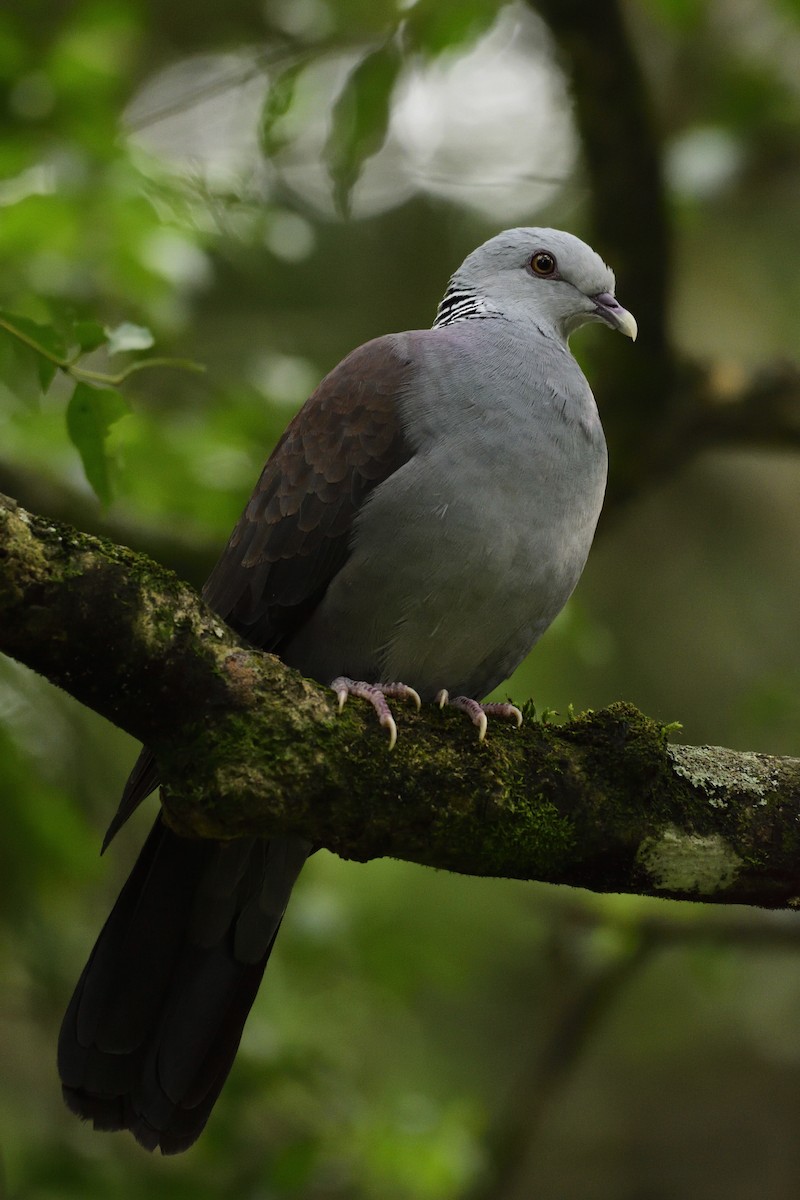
70,366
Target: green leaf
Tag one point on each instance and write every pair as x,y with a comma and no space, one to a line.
435,26
89,335
127,337
280,98
90,414
45,337
46,370
360,119
43,340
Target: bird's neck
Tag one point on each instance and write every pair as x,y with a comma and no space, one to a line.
462,303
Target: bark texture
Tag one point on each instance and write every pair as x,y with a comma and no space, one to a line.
246,745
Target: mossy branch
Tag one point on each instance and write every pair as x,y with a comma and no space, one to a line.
245,745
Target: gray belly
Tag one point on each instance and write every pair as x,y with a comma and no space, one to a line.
450,588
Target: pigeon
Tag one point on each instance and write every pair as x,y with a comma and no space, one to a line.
418,526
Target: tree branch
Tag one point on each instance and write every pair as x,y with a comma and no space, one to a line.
629,218
658,410
583,987
732,409
718,406
246,746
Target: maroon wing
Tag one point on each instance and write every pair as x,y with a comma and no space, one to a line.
153,1027
293,536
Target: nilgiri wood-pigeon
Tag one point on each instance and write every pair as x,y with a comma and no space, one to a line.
422,520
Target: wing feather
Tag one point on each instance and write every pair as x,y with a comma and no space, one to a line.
294,534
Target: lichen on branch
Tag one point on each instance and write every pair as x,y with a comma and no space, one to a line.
245,745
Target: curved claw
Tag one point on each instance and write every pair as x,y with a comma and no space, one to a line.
388,722
509,712
400,691
479,713
376,694
474,711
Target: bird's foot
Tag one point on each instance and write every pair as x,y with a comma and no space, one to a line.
479,713
376,693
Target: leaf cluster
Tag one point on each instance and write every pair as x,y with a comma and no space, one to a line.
95,403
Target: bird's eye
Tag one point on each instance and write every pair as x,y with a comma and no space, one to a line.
543,263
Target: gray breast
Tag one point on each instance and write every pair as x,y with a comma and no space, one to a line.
463,557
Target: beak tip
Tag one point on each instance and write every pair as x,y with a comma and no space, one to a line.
609,309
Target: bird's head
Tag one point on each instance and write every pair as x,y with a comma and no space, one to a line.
545,276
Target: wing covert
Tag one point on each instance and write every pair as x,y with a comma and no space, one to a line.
293,535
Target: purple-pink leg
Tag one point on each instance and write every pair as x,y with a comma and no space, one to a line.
376,694
479,713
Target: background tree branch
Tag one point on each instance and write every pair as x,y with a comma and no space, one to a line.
246,746
621,153
33,489
658,410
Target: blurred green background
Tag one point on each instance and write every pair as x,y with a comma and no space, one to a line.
421,1036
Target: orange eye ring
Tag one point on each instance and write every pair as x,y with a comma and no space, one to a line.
543,263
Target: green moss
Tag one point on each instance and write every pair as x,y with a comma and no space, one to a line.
548,839
623,761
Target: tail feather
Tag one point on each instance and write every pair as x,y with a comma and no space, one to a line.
154,1024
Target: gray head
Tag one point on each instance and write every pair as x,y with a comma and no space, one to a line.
544,277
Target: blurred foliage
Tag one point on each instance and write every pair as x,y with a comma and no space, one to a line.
167,168
360,119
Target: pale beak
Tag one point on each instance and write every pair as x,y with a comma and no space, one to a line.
609,309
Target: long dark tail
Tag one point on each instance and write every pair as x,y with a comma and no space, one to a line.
154,1024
